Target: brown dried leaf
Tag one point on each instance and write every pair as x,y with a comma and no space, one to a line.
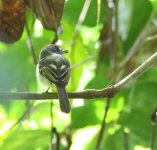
12,20
49,12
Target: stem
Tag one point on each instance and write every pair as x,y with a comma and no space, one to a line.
103,125
76,33
81,19
126,144
82,62
115,39
51,131
58,139
110,5
23,116
30,45
98,11
153,137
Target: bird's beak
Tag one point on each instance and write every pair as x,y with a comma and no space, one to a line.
65,51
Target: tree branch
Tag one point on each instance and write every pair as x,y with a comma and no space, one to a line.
109,91
137,72
86,94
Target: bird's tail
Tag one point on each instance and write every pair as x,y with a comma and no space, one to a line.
63,99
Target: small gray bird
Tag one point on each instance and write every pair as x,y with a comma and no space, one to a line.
54,68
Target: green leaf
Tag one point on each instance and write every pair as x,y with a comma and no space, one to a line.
113,141
144,95
137,120
100,79
27,139
110,141
72,12
137,20
88,114
17,70
154,3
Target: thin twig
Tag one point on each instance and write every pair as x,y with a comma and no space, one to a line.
103,126
109,91
68,136
22,117
57,139
55,38
139,42
153,136
109,6
81,19
76,33
30,45
126,144
51,131
80,22
113,50
82,62
98,11
115,39
139,71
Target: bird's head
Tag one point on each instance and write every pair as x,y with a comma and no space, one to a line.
50,49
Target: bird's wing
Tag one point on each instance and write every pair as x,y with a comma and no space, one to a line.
48,74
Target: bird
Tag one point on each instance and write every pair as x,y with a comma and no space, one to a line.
54,69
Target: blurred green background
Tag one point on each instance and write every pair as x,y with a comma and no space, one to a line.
103,56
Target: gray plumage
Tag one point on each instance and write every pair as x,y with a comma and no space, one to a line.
56,69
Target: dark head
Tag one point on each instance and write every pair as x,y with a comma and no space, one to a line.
50,49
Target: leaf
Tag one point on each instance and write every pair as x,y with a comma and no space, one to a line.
111,141
87,114
27,139
17,70
76,56
137,20
137,120
144,95
100,79
72,12
49,12
12,20
87,143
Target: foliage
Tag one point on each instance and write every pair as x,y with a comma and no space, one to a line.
130,110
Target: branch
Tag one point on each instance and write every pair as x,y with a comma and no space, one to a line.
57,145
103,126
82,62
109,91
86,94
137,72
81,18
30,44
51,131
140,41
98,11
137,44
154,123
